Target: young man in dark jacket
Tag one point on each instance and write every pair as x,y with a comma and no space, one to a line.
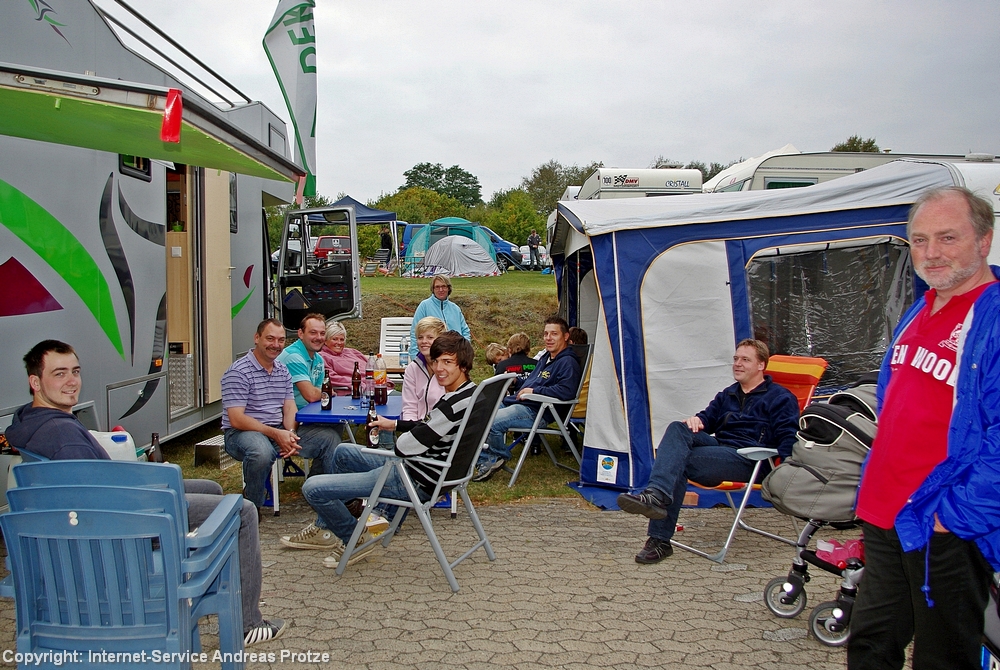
47,427
752,412
557,375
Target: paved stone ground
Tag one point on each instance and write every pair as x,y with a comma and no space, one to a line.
564,592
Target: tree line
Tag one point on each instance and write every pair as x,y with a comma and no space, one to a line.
431,191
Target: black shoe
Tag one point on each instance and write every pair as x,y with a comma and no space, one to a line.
536,448
355,506
646,503
654,551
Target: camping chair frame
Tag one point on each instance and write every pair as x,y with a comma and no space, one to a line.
555,411
800,375
472,431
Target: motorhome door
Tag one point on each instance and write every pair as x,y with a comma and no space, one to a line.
328,285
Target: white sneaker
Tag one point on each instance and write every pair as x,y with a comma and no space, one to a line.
333,561
311,537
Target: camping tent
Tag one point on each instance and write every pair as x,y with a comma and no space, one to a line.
667,286
458,256
427,236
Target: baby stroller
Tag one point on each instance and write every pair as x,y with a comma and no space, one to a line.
819,483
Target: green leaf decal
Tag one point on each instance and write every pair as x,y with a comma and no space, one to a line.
58,247
242,303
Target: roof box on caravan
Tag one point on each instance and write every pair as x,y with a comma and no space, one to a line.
637,183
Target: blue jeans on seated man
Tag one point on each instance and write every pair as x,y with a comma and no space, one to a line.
684,455
512,416
257,452
353,476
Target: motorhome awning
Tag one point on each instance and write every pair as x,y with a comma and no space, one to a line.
125,117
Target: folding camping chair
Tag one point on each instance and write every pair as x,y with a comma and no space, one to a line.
555,411
800,375
392,329
455,473
108,561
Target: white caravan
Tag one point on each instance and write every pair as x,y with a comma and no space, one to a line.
636,183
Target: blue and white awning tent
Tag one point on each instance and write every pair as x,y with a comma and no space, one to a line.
667,286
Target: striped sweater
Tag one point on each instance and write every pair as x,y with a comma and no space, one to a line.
433,438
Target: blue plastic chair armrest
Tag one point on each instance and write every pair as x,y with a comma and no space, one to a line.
7,587
757,453
208,532
200,560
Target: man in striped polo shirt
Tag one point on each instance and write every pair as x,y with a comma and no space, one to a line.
354,473
258,414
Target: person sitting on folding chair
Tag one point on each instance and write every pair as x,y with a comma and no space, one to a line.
47,427
336,497
557,375
753,412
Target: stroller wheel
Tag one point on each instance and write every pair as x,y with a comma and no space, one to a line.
773,593
826,626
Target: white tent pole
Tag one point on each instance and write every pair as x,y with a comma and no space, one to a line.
621,355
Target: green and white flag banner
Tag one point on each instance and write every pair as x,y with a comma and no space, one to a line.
290,45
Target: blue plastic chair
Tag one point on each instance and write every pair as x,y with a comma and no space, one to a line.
207,558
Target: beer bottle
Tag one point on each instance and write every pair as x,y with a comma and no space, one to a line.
356,382
326,392
372,430
155,455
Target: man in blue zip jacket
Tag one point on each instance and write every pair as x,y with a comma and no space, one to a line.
557,375
753,412
930,490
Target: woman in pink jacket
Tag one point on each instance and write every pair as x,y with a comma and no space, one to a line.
421,389
340,359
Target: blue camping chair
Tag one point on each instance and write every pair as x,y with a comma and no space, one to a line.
202,564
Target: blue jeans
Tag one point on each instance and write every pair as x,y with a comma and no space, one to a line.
257,452
203,497
512,416
685,455
353,476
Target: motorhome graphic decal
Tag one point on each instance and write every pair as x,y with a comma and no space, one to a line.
238,307
21,293
44,12
58,247
156,361
113,247
151,232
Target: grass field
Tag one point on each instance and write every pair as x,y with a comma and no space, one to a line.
495,308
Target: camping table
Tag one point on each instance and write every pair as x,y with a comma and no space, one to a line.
346,410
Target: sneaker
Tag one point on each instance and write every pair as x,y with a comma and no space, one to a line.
647,503
654,551
376,525
311,537
486,469
333,560
267,630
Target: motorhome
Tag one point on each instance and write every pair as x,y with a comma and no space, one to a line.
150,257
608,183
787,168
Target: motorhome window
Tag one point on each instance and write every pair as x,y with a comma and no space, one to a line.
840,303
784,182
135,166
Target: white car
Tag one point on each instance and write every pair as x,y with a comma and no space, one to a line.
543,256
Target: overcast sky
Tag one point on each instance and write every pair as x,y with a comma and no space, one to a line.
501,87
